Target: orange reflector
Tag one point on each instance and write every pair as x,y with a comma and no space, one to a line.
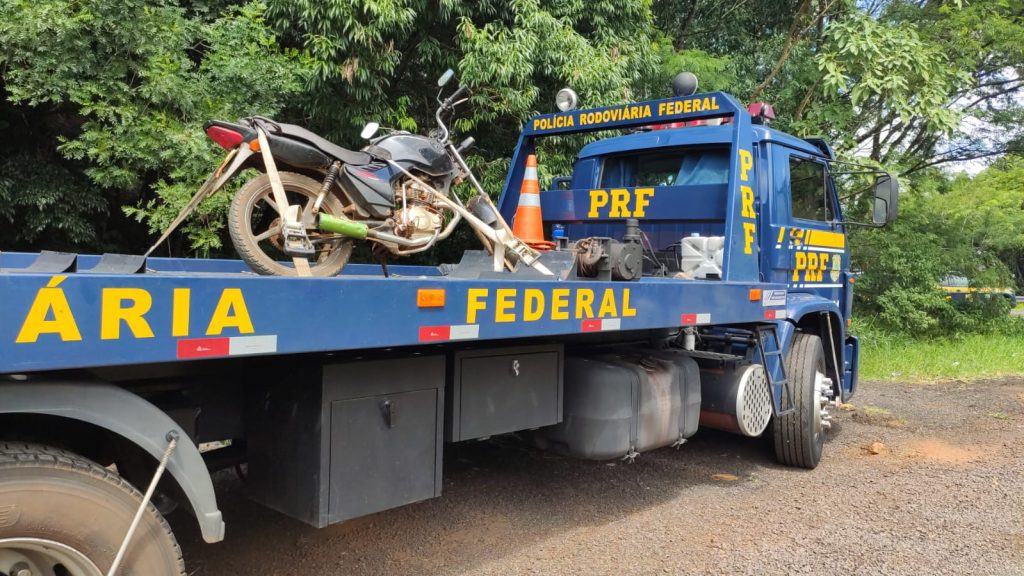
430,298
755,294
254,145
851,279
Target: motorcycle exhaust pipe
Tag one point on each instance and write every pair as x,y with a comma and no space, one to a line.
360,231
343,226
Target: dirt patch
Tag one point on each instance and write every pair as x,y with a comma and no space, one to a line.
943,452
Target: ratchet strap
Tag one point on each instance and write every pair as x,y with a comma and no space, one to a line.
294,234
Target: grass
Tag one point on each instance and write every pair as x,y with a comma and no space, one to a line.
896,357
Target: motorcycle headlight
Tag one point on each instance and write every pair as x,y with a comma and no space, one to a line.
566,99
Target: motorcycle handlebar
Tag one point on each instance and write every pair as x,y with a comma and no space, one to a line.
455,96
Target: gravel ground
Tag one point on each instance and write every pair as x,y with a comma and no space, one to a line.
944,495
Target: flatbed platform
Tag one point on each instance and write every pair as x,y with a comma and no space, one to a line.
189,309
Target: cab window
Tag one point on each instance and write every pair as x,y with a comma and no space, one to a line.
679,167
810,199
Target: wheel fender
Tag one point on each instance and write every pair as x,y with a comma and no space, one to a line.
128,415
800,304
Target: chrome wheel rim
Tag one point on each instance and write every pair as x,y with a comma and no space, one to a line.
41,557
819,383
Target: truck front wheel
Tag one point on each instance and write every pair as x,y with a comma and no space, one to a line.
64,515
799,436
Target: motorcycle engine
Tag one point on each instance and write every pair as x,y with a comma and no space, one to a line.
419,218
417,221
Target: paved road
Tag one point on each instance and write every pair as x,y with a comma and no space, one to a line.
944,495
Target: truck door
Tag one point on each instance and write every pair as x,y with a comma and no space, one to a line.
808,243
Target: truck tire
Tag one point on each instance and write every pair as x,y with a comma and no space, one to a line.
799,436
61,514
253,251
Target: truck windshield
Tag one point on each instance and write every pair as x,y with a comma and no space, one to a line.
672,167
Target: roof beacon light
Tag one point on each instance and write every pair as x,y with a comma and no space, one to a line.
761,113
566,99
684,84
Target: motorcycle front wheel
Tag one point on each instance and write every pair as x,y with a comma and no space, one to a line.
255,227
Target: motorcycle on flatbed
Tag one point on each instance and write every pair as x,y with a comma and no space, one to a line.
314,198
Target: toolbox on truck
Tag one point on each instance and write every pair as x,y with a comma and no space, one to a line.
350,439
501,390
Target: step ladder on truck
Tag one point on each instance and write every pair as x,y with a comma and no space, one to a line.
699,277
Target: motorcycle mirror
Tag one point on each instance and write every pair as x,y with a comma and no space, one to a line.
369,130
448,75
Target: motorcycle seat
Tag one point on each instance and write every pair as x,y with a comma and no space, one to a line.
326,146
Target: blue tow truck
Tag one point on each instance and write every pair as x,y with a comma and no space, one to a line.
126,381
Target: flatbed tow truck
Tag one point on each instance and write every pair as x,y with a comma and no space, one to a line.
125,381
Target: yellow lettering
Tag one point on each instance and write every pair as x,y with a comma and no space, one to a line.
560,304
533,308
620,201
801,263
49,299
475,302
503,307
179,312
598,199
584,303
113,312
811,274
714,103
749,228
746,163
643,196
647,111
747,198
608,307
662,109
626,310
231,312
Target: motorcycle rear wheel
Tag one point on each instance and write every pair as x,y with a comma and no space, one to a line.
253,219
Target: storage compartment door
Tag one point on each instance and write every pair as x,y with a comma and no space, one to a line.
383,452
503,393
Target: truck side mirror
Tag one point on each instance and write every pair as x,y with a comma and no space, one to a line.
887,196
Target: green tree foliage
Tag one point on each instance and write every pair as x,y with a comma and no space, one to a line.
140,94
969,227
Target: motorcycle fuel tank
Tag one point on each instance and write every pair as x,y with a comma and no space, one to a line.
415,152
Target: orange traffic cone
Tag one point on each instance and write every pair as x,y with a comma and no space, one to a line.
528,224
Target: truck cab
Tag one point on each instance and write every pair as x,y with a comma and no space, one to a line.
720,196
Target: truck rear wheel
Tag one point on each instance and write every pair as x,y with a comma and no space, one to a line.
64,515
799,436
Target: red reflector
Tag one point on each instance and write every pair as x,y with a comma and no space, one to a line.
433,333
203,347
688,319
226,139
590,326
